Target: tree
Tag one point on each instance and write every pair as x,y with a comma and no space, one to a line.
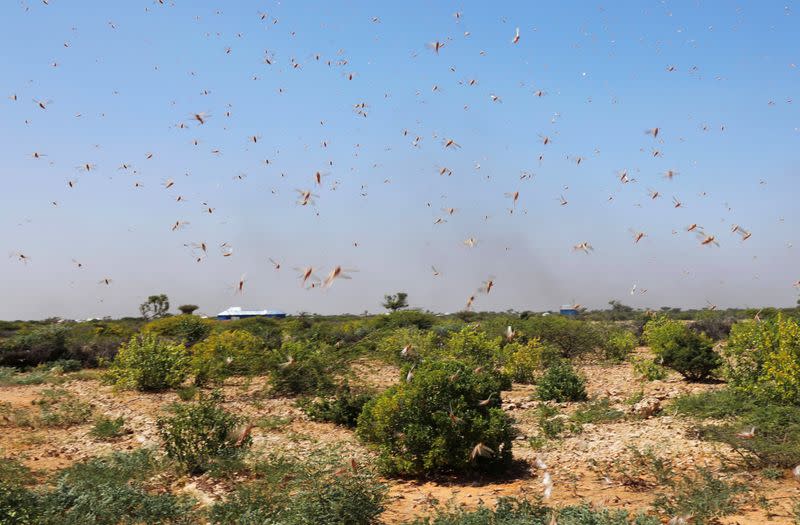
395,302
188,309
155,307
619,311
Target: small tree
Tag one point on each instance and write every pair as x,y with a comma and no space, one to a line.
155,307
188,309
395,302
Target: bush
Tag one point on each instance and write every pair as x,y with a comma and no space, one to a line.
322,492
406,318
188,329
473,346
618,345
301,368
109,491
268,330
228,353
522,362
198,433
763,359
148,363
35,346
661,332
513,511
18,505
717,328
96,342
343,409
390,343
561,383
59,408
776,440
446,419
702,496
649,370
551,422
108,428
570,336
599,411
690,354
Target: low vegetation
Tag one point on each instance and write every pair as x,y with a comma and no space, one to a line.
441,418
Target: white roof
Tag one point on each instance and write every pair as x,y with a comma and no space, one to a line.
237,311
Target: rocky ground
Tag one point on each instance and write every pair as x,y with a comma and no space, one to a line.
582,464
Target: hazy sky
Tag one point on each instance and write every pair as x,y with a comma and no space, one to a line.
718,79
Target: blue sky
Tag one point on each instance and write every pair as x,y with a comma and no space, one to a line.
125,79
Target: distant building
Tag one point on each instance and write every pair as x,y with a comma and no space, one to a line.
568,309
236,312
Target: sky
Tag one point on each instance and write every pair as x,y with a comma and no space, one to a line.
356,92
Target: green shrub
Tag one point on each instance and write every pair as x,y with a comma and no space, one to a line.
59,408
514,511
343,409
550,421
406,318
187,393
715,327
618,345
763,359
702,496
148,363
225,354
109,491
108,427
198,433
570,336
718,404
446,419
18,505
522,362
692,356
472,345
300,367
650,370
15,473
599,411
776,440
661,332
268,423
320,491
266,329
419,343
561,383
689,353
34,346
188,329
96,342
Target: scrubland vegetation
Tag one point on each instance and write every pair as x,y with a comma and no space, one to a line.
442,419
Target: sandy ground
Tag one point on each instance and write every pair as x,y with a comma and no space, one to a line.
576,463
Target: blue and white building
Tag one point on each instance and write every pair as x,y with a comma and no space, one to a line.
235,312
